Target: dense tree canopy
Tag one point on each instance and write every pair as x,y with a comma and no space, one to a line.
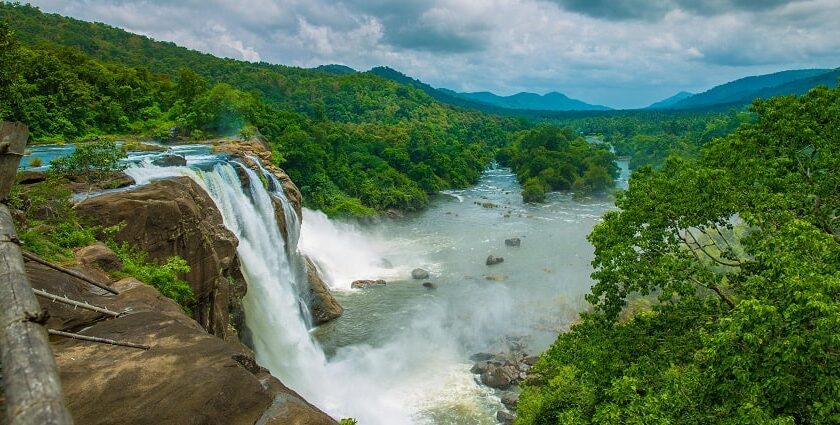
550,158
742,249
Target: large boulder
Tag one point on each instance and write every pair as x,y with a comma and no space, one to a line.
99,255
176,217
322,303
186,377
170,161
419,274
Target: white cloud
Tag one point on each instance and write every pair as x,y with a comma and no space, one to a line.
609,53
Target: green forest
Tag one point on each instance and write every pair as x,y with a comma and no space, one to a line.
740,250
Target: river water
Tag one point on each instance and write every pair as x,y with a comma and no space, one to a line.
400,353
413,343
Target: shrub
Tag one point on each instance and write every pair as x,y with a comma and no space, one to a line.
164,276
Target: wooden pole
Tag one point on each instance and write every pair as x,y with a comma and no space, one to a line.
30,376
13,137
98,339
74,303
77,275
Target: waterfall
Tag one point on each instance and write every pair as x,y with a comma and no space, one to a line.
360,383
276,314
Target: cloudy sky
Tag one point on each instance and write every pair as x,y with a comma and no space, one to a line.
621,53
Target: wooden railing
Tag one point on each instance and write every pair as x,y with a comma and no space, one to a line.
31,384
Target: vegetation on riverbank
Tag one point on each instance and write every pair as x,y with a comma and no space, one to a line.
742,248
49,227
550,158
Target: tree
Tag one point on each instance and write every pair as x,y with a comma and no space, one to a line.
740,248
95,163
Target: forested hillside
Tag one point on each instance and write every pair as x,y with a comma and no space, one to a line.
741,248
355,143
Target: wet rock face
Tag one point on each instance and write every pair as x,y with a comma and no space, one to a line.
324,306
246,151
176,217
170,161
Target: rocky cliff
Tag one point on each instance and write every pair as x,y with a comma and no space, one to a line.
176,217
186,376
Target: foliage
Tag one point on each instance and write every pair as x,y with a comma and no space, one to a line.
742,249
91,163
46,223
355,143
164,276
347,421
553,158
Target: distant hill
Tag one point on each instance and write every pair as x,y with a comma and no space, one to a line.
553,101
745,90
671,101
441,95
335,69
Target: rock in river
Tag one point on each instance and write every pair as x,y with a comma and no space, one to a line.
429,285
491,260
170,161
367,283
419,274
513,242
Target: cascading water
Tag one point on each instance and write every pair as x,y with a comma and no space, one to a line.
277,325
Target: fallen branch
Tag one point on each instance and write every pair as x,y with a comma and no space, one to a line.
74,303
97,339
67,271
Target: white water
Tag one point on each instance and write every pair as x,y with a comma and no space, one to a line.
355,384
344,254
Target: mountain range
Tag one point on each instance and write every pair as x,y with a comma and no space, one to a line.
744,90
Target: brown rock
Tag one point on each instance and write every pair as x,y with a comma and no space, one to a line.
176,217
500,377
31,177
367,283
505,418
323,304
170,161
117,181
99,255
509,400
186,377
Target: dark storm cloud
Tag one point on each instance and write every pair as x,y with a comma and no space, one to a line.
657,9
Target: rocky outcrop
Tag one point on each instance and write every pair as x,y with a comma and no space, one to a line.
186,377
322,303
367,283
116,181
170,161
176,217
